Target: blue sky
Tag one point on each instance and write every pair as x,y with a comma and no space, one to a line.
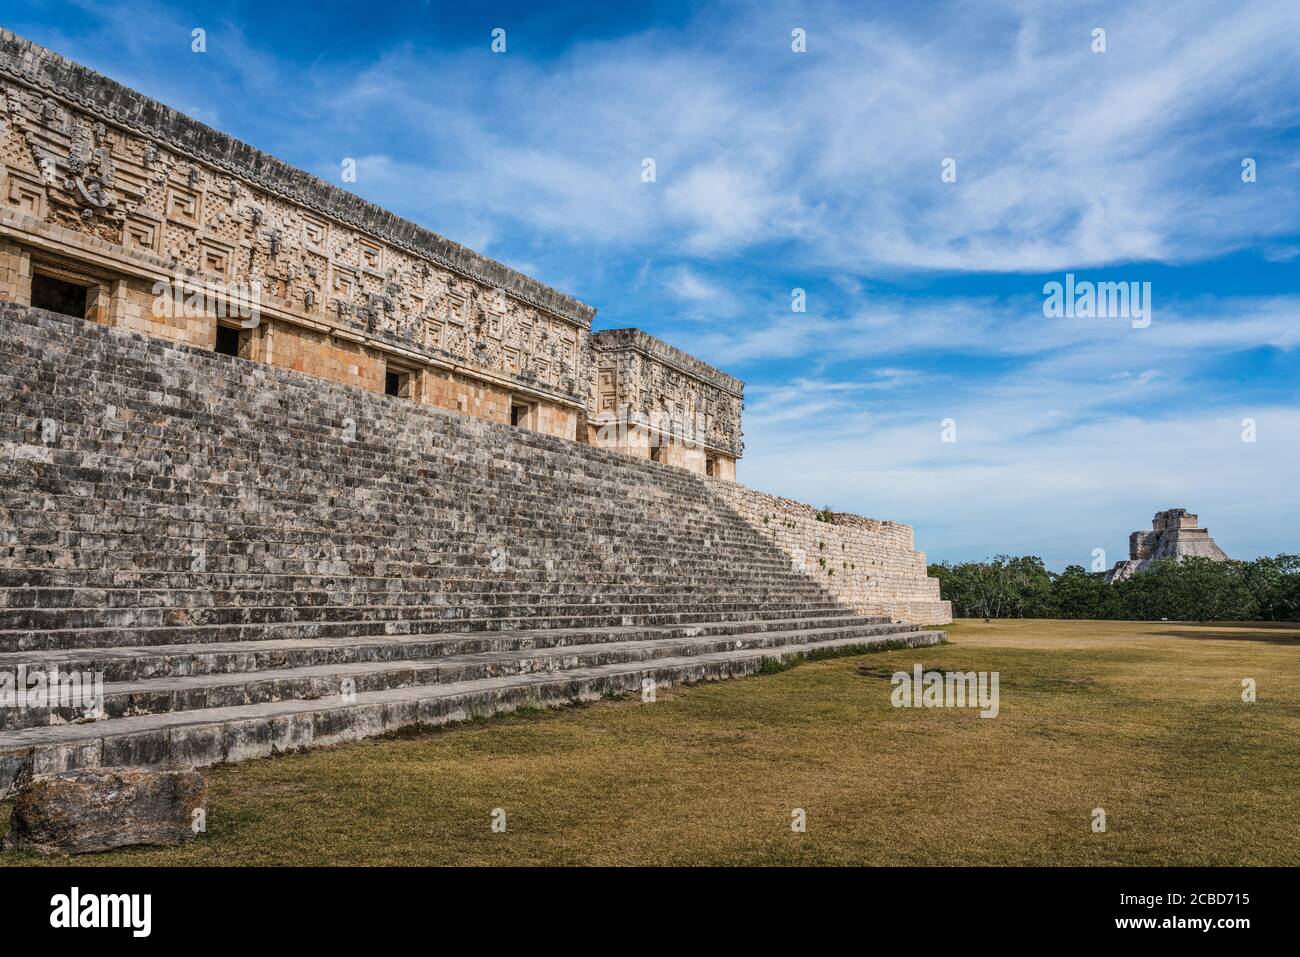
778,170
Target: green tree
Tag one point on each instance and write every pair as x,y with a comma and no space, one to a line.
1193,589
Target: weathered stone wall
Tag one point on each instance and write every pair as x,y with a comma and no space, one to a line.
869,565
172,519
305,350
15,273
124,458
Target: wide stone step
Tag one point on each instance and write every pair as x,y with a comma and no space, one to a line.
151,561
32,565
416,595
373,559
227,538
133,663
62,521
237,733
39,619
467,619
425,578
92,464
317,682
66,478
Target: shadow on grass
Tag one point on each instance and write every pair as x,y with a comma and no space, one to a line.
1017,682
1277,633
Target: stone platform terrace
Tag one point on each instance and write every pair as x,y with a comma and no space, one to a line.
255,560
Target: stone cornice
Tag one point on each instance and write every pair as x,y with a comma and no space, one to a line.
34,66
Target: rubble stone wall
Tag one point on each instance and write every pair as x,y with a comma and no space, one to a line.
869,565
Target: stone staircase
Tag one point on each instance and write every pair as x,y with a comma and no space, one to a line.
255,560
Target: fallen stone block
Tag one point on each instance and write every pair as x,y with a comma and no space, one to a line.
99,809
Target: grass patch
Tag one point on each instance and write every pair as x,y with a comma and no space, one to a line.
1143,719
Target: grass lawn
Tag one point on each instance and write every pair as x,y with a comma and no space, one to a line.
1144,720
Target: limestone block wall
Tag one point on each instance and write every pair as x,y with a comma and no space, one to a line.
643,443
133,309
869,565
304,350
553,419
15,273
726,469
459,393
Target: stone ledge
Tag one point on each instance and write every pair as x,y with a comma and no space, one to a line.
245,732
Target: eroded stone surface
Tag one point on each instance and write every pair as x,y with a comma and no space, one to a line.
222,535
98,809
868,564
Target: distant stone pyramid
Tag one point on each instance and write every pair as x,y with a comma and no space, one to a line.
1174,534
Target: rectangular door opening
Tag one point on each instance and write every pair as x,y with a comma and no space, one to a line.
59,295
228,340
521,415
399,382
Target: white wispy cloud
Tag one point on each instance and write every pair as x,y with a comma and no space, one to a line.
1007,485
1065,157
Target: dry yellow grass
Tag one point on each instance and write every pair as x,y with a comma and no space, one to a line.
1144,720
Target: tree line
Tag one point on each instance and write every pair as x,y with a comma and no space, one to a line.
1191,589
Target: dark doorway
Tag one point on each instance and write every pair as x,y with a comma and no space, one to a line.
56,295
401,383
227,341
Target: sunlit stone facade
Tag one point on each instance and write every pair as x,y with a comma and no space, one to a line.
111,203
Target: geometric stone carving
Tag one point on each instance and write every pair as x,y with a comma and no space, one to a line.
83,153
